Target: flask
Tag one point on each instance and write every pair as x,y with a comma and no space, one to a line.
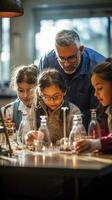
77,132
23,129
43,138
94,129
81,126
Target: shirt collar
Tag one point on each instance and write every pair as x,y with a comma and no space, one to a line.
23,108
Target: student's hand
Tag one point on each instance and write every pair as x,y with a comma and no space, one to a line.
87,145
40,135
82,145
30,137
33,135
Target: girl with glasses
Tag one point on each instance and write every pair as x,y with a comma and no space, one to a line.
51,97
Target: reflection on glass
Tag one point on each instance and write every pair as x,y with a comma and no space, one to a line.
43,140
77,132
94,130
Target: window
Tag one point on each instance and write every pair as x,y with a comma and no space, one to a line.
4,50
93,33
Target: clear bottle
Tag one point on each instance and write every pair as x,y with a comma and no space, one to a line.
43,139
81,126
23,129
77,132
94,129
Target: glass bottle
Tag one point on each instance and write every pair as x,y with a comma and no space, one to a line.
23,129
94,129
77,132
43,138
81,126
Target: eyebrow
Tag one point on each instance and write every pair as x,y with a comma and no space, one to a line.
68,56
99,84
51,95
19,88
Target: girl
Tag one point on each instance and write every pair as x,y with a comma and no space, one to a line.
50,100
24,81
102,82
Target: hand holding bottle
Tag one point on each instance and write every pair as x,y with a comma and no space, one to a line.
33,135
30,137
37,140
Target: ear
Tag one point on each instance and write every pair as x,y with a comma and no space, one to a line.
81,49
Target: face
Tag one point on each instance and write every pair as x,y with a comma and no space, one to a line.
52,96
26,93
103,90
69,57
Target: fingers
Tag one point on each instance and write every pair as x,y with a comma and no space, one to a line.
33,135
40,135
30,137
82,146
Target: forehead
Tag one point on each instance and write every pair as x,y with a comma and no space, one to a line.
25,86
95,77
97,80
51,90
66,51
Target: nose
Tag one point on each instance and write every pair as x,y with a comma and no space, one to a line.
66,63
96,94
25,94
52,100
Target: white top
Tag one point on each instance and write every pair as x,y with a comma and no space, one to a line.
25,111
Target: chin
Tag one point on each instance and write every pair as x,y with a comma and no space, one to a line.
104,104
53,108
28,104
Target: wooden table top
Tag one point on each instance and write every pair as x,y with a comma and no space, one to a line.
56,162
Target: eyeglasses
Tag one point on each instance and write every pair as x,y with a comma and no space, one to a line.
54,98
70,59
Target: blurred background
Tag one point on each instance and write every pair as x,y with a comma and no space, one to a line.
24,39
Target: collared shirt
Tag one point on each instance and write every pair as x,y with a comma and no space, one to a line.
23,108
8,109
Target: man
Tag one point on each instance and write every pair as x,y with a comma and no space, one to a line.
75,62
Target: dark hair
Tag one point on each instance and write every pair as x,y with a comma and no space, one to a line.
104,70
24,73
50,77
